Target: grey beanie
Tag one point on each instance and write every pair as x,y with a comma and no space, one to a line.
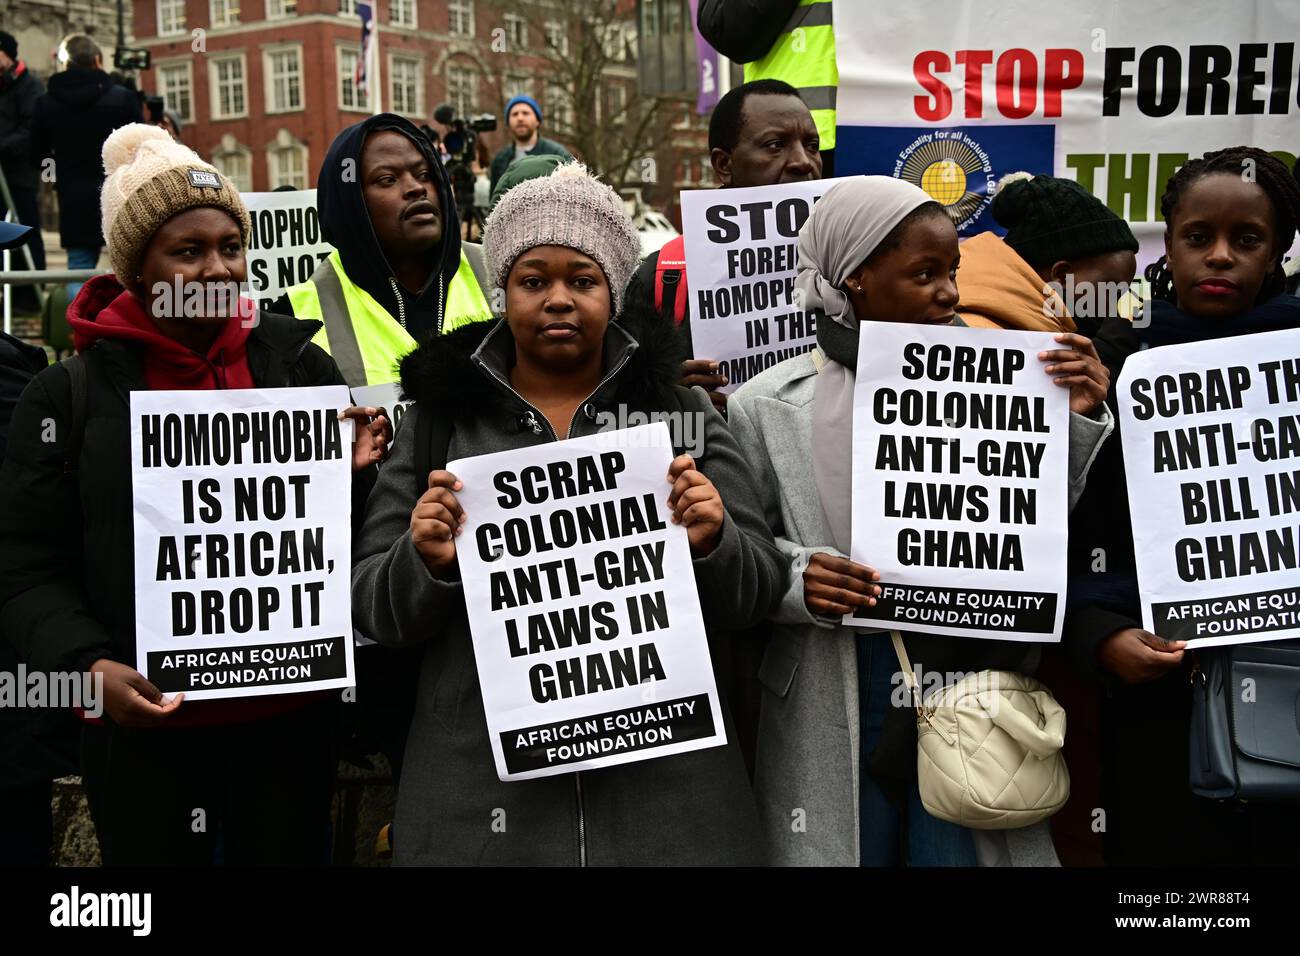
568,208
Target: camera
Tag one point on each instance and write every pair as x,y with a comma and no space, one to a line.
460,142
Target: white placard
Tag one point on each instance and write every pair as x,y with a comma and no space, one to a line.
286,243
581,596
742,253
1211,441
960,471
388,396
242,540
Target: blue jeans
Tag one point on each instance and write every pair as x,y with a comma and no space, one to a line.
81,257
890,835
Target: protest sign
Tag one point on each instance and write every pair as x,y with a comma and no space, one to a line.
242,540
952,98
1211,442
587,632
960,471
285,245
388,395
742,253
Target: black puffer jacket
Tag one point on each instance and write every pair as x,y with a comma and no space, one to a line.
694,808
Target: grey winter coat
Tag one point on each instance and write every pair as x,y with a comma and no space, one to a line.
696,808
808,750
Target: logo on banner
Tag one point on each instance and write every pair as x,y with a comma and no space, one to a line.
958,167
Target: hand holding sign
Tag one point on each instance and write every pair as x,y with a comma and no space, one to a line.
129,697
373,433
696,504
836,586
436,521
1136,656
1079,369
708,375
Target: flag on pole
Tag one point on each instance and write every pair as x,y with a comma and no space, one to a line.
365,10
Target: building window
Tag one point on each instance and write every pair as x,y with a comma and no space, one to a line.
517,84
350,98
235,162
401,13
462,89
649,18
559,108
516,32
556,37
347,8
284,80
175,82
673,19
286,162
615,103
405,85
616,43
224,13
171,17
226,81
461,17
279,9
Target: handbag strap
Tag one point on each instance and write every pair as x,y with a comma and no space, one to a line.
905,662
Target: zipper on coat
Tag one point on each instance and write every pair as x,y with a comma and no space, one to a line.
401,306
582,404
582,821
441,317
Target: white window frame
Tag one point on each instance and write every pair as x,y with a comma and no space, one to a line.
406,5
516,84
473,75
417,63
284,141
268,79
229,148
617,42
176,7
561,29
214,85
559,105
348,8
516,32
280,9
617,105
457,9
363,98
229,9
188,66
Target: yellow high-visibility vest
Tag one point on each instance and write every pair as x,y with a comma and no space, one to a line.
804,56
365,340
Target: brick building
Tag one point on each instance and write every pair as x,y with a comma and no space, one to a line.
263,86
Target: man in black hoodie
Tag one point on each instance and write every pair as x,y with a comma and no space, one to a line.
399,272
19,90
72,120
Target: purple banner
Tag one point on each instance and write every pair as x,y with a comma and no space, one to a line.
709,64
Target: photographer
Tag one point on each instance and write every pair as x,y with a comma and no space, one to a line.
524,117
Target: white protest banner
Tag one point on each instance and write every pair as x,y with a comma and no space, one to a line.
960,472
388,395
242,540
1115,95
286,244
1211,438
742,252
590,646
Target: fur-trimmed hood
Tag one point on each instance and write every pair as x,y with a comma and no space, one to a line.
453,372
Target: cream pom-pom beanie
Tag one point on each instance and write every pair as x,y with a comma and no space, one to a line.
150,178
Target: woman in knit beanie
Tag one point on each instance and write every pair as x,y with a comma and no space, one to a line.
261,769
559,251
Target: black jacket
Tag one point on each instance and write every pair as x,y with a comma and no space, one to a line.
67,590
73,118
693,808
744,30
345,224
18,96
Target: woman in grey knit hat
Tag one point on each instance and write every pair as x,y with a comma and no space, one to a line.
559,250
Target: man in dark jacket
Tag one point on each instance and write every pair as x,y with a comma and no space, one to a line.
72,120
19,90
745,125
524,118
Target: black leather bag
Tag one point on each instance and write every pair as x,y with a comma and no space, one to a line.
1245,740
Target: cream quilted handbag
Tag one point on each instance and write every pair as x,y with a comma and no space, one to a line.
989,749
